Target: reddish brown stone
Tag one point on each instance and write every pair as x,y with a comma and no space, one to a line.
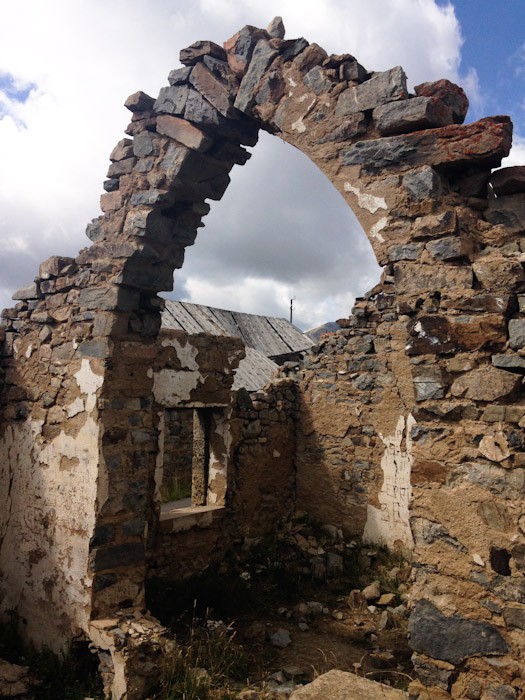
184,132
451,94
213,90
426,471
139,102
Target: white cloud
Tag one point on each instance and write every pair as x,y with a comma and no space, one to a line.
86,56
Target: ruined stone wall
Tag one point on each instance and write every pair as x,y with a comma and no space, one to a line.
260,492
426,384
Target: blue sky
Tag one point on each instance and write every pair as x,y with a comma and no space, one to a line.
494,44
279,232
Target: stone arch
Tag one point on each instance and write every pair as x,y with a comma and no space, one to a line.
435,342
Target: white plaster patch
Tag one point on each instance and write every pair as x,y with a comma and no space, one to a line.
75,408
50,516
186,352
378,226
292,82
299,126
366,201
172,386
389,524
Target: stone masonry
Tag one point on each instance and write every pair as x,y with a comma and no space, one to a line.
405,428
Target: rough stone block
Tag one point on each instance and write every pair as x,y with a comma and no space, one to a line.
449,93
428,383
422,183
316,80
262,57
409,251
379,89
128,554
145,144
32,291
453,638
292,48
512,363
498,272
352,71
199,111
121,167
123,149
111,201
412,277
508,210
487,384
484,142
184,132
448,248
517,333
411,115
241,46
179,76
508,180
341,685
139,102
172,100
108,298
193,53
514,616
276,28
215,91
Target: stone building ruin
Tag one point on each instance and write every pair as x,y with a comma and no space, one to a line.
409,420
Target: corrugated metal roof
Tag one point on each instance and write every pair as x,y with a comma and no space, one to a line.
269,335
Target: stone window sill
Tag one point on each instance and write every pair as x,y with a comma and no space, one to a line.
179,516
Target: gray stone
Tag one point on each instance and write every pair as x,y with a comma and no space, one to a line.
487,384
422,183
193,53
451,639
94,348
150,197
508,180
428,383
508,210
352,70
411,115
281,638
378,153
199,111
410,251
214,90
290,49
276,28
430,674
145,144
179,76
172,100
517,333
512,363
448,248
32,291
379,89
263,55
514,616
108,298
122,167
128,554
500,692
111,185
316,80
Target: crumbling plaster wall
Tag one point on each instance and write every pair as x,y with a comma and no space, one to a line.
435,349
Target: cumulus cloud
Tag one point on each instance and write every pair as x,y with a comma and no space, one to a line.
281,230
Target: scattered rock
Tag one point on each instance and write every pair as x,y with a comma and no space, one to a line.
281,638
372,592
